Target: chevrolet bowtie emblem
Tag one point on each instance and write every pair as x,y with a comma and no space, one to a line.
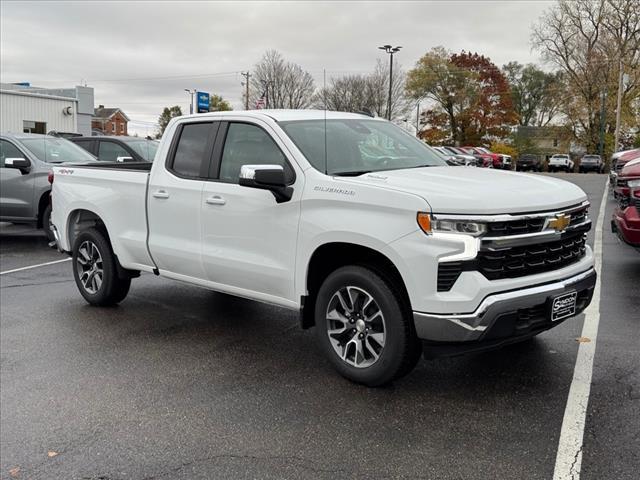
560,222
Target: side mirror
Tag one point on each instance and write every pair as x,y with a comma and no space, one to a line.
266,177
124,159
21,164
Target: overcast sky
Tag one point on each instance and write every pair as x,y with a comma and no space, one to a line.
140,56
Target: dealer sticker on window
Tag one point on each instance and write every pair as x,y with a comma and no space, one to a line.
563,306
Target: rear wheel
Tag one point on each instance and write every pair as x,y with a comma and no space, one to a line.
95,270
46,223
364,327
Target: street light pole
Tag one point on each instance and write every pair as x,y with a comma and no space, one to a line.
191,94
390,50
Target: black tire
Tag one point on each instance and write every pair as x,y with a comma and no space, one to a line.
46,223
401,349
111,289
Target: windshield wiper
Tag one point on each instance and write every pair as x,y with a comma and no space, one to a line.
352,173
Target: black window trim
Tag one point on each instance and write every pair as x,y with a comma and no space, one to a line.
216,162
214,126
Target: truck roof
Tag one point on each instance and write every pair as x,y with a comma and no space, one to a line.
285,115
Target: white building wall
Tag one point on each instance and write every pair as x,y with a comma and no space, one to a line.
16,107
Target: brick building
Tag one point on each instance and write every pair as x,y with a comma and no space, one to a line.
109,121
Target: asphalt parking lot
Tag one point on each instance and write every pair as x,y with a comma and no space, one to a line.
179,382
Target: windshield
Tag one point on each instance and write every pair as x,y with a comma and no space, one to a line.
57,150
591,157
355,146
145,148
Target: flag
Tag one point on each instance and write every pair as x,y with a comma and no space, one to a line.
262,102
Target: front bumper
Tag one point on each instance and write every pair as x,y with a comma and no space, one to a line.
503,317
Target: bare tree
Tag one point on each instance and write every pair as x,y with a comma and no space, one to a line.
284,84
584,38
354,93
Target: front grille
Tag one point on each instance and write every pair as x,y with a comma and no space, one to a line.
578,217
515,227
531,259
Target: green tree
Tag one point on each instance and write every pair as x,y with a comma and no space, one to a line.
537,95
165,117
218,104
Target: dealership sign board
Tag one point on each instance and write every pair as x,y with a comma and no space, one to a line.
203,102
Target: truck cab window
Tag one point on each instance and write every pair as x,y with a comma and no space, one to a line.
110,151
8,150
249,145
191,149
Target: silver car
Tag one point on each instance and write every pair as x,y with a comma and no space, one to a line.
25,163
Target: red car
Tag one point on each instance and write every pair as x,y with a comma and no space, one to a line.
626,217
621,189
489,160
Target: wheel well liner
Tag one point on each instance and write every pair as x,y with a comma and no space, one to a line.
331,256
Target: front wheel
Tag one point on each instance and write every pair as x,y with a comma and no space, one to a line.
365,327
95,271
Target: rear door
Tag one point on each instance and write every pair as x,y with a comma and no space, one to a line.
16,188
174,198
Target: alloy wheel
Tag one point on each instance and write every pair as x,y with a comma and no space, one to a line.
355,326
89,267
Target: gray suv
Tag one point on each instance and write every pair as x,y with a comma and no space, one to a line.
25,163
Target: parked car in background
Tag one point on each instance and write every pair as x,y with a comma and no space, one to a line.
118,149
629,173
484,159
456,159
25,162
469,160
529,161
618,161
503,160
561,161
591,163
626,217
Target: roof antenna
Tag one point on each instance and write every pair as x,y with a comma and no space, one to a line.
324,97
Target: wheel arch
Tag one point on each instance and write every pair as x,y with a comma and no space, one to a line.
327,257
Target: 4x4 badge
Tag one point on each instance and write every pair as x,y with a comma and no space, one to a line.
560,222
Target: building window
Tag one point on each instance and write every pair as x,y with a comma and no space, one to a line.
113,127
555,142
34,127
122,128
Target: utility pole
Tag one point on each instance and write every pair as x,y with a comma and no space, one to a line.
602,115
390,50
247,76
619,106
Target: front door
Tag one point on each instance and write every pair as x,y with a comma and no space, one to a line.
16,188
249,240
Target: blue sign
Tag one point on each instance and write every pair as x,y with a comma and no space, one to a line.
203,102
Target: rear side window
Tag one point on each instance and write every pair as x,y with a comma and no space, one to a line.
191,149
110,151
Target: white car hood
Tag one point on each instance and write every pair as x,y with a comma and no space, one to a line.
478,191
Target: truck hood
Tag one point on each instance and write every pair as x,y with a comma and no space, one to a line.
478,191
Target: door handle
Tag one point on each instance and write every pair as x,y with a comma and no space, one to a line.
160,194
216,200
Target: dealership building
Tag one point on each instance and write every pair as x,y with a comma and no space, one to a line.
28,109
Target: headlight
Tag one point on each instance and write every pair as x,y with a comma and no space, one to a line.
633,183
430,225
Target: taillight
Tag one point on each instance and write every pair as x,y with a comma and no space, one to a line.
50,177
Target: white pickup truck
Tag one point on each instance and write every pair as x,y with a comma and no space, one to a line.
383,248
